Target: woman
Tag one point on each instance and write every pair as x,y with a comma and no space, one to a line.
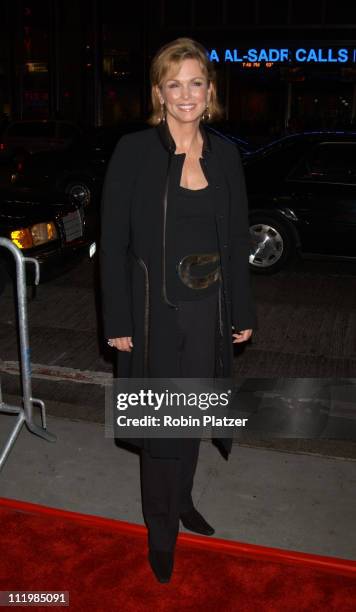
173,193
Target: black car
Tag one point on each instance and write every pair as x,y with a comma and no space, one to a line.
79,171
54,231
302,198
33,135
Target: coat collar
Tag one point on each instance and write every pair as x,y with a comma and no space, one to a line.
167,140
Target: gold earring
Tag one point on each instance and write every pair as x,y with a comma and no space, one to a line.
206,114
163,114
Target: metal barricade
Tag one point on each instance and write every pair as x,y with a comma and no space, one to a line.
25,413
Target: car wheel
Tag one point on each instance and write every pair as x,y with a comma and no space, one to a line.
272,244
80,191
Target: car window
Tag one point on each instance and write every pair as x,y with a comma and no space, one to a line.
328,162
274,163
32,130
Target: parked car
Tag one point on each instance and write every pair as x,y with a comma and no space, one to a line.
80,170
53,230
8,165
34,135
302,198
74,172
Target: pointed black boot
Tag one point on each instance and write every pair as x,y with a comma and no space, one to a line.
194,521
161,562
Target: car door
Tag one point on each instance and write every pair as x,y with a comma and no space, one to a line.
323,191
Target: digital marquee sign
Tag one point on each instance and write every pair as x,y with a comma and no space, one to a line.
300,55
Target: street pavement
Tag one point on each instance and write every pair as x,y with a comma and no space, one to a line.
306,323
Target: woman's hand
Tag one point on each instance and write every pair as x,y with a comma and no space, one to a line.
121,344
242,336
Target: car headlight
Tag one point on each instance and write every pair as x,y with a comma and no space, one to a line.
37,234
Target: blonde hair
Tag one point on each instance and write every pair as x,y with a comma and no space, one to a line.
172,55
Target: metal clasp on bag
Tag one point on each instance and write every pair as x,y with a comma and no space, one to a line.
202,280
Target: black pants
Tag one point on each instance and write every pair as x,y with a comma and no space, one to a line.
167,483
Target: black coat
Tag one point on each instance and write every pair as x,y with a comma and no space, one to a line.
133,243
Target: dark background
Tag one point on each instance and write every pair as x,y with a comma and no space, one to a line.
88,61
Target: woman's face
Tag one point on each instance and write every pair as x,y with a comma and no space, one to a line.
185,93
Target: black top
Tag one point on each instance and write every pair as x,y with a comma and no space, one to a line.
191,221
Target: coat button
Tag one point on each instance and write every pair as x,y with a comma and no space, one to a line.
217,186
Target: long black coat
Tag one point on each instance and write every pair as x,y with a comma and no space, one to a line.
134,236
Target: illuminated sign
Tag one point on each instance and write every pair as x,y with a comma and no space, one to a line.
301,55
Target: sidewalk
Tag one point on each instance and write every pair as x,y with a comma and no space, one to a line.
266,497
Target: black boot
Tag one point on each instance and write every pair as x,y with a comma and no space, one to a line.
161,562
194,521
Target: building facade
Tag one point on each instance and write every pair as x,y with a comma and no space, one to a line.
282,65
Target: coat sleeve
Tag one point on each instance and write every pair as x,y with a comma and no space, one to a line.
114,240
243,313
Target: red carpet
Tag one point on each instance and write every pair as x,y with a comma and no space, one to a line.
102,563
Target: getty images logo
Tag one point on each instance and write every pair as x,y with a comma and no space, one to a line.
152,399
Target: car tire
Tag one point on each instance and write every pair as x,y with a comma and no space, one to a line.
80,191
273,244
